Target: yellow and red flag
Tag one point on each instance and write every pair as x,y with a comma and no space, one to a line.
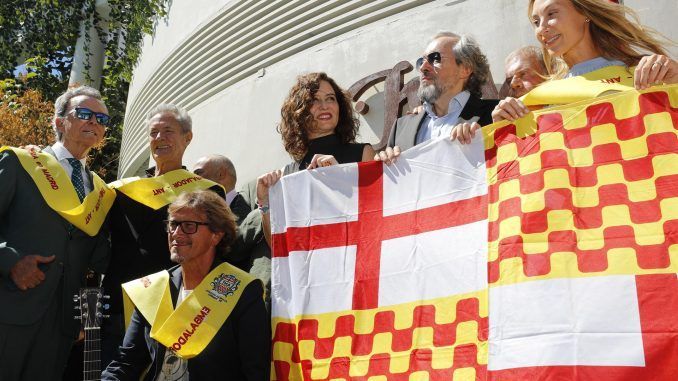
545,249
583,240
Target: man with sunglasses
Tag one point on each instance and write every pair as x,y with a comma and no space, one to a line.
452,72
44,251
212,323
138,237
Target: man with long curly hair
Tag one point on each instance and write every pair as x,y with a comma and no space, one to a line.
452,72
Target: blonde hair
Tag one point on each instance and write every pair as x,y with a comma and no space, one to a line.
616,32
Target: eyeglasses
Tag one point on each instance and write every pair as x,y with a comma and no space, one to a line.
188,227
432,59
86,114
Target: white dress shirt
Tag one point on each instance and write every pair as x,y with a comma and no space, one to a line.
230,196
62,155
434,126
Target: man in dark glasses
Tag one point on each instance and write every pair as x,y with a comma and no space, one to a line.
452,72
44,256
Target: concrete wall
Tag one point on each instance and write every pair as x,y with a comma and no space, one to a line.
231,63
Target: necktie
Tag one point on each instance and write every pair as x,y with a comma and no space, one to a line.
76,177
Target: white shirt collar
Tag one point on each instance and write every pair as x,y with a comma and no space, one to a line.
62,153
454,107
230,196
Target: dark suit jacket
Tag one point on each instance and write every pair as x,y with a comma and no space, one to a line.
250,252
240,208
249,244
28,226
138,242
404,131
241,350
139,245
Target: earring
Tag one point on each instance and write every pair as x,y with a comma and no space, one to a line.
587,20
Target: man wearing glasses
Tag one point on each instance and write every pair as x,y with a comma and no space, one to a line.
138,237
46,241
202,320
452,72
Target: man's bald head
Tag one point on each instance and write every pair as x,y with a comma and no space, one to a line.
217,168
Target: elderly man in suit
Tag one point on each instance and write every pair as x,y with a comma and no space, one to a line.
221,170
44,256
452,72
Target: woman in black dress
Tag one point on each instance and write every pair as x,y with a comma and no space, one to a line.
318,121
318,129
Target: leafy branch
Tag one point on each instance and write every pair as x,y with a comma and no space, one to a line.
41,35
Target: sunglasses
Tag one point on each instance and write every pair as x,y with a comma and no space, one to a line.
86,114
188,227
432,59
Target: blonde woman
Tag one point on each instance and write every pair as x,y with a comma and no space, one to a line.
587,35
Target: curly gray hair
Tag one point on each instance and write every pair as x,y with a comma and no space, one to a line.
467,53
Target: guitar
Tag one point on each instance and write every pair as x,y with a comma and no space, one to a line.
90,305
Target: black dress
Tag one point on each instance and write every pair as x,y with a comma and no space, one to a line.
329,145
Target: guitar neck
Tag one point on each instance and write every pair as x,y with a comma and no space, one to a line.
91,370
90,314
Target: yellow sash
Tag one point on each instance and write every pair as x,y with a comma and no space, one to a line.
57,190
190,327
156,192
587,86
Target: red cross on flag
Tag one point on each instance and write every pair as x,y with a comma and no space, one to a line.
473,262
357,248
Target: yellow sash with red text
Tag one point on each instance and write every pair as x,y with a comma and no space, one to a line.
588,86
189,328
156,192
57,190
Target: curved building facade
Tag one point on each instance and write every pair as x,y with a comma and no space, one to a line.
231,63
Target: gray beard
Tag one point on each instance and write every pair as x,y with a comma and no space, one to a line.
429,93
176,258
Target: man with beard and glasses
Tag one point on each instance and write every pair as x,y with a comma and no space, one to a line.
452,72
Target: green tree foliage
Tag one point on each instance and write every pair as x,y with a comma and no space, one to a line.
41,34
